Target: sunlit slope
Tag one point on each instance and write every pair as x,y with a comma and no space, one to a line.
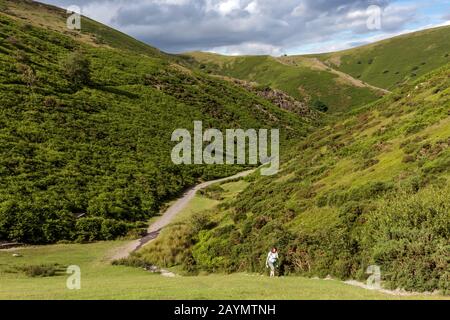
394,61
305,81
94,33
342,80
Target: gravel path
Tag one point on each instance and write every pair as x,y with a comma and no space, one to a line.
168,216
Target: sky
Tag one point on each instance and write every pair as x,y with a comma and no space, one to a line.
274,27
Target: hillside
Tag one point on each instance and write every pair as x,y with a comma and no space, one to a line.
308,81
391,62
86,122
369,189
340,80
93,33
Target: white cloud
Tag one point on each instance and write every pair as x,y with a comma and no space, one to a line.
231,26
252,7
228,6
249,48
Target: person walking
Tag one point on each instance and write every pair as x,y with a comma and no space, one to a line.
271,261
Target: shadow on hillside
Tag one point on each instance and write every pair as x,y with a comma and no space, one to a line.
115,91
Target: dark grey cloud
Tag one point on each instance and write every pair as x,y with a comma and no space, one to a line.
241,26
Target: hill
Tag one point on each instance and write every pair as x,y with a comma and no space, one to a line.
93,33
340,80
308,80
368,189
394,61
86,122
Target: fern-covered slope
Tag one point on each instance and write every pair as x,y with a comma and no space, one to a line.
86,155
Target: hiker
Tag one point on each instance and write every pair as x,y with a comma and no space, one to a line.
271,261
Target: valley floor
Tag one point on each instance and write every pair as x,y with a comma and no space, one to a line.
101,280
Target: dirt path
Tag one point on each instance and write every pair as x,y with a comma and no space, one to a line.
317,64
168,216
346,77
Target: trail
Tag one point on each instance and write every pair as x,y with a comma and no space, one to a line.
346,77
317,64
155,228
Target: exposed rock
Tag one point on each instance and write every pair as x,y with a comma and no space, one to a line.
279,98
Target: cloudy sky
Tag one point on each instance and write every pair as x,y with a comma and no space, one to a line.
263,26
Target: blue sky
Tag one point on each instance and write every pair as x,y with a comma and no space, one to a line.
263,26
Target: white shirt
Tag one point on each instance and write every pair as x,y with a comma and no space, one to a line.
272,257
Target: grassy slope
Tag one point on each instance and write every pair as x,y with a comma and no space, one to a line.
355,193
102,149
388,63
93,33
384,64
302,81
169,249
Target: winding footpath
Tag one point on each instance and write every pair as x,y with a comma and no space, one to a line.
168,216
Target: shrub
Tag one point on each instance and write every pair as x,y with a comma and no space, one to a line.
408,236
77,69
43,270
97,228
28,75
13,41
50,102
408,158
320,106
213,192
89,229
21,57
112,229
131,261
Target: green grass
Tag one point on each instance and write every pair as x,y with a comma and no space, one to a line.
388,63
302,81
101,280
385,64
197,204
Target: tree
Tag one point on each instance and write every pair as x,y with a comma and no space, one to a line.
77,69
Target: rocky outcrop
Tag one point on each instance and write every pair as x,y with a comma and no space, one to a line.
279,98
